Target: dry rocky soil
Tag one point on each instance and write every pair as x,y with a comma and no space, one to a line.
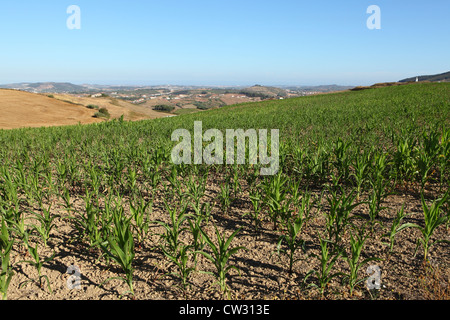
263,273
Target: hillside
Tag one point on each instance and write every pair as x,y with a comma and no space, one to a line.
22,109
116,107
443,77
355,168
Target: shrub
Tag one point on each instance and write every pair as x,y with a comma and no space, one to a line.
164,108
102,113
92,106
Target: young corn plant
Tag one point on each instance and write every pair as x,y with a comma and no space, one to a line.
295,192
15,219
427,156
327,259
174,229
444,155
236,182
225,197
397,227
342,162
196,189
37,262
131,185
175,186
404,158
374,209
88,224
46,224
292,238
353,259
433,218
338,218
6,273
181,259
361,165
275,196
65,196
121,249
139,208
256,199
220,256
198,242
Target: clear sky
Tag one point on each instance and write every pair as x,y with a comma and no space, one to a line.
222,42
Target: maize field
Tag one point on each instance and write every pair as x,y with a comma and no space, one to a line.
100,211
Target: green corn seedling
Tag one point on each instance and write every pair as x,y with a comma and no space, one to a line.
181,260
174,229
122,249
220,256
88,224
353,259
67,200
225,197
198,242
342,162
374,209
6,273
327,261
275,197
140,215
339,216
46,224
236,182
291,236
256,200
433,218
361,165
397,227
37,262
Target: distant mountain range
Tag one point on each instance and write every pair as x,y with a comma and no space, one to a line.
46,87
443,77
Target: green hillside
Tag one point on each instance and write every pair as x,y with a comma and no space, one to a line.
444,77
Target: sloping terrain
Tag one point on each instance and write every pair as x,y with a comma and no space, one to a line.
20,109
357,170
444,77
116,107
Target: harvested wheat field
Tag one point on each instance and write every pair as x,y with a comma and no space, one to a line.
23,109
116,107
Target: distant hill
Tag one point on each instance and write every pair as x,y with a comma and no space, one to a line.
264,92
46,87
443,77
321,88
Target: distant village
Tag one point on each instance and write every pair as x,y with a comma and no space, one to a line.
182,98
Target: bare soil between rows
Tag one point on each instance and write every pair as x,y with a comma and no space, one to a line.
263,272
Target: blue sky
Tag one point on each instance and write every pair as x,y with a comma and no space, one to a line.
223,42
